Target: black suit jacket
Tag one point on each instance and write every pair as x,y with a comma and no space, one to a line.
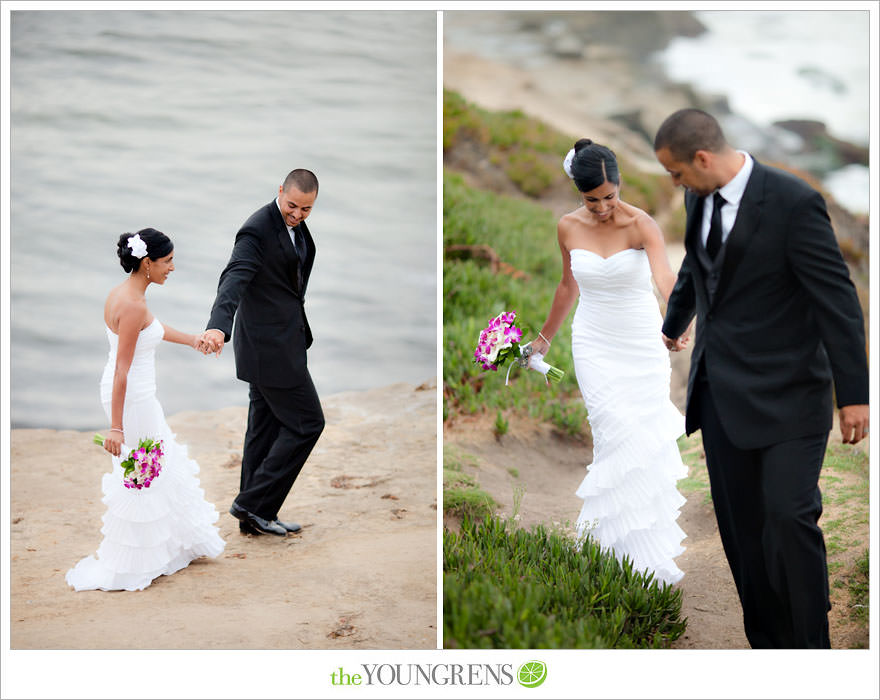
261,284
784,320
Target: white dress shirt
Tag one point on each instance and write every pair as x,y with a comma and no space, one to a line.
732,193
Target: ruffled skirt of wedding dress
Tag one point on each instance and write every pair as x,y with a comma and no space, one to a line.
631,502
152,531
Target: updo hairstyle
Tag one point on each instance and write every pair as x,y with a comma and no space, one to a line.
158,246
593,165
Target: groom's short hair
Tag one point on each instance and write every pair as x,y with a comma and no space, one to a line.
687,131
304,180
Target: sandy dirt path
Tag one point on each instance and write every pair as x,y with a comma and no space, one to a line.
361,575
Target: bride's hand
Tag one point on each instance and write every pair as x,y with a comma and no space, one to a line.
113,443
210,341
540,345
682,341
676,344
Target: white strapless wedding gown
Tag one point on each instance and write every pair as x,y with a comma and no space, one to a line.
630,499
156,530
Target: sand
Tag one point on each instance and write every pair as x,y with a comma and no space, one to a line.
362,574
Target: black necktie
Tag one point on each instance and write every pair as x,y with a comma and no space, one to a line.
713,242
299,248
297,243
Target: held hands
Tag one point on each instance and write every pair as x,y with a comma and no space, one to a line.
210,341
676,344
854,423
680,343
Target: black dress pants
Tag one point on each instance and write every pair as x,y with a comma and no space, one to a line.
283,427
767,504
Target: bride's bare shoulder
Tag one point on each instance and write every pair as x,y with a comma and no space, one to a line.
632,212
572,218
568,226
122,304
642,219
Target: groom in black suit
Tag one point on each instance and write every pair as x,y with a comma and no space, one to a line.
777,319
265,283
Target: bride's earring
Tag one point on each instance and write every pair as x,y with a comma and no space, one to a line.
148,274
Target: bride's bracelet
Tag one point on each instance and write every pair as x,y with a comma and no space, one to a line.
118,430
541,335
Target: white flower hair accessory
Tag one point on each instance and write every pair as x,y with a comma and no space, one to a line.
137,246
566,164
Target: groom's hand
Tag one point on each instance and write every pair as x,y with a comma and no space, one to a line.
854,423
675,344
211,341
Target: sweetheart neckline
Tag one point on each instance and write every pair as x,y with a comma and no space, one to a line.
602,257
139,332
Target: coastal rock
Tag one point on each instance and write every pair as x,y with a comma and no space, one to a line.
822,152
770,144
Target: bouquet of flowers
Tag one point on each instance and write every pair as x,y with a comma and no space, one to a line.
499,343
142,464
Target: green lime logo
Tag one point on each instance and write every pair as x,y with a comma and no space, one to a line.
531,674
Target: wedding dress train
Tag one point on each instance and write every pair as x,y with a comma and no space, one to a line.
156,530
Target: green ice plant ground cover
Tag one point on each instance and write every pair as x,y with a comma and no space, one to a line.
508,588
523,235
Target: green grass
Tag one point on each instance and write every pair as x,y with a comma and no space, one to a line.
502,425
507,588
834,544
844,483
697,480
467,502
833,568
462,496
530,153
843,458
523,235
461,121
859,589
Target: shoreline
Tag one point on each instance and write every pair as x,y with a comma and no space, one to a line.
171,403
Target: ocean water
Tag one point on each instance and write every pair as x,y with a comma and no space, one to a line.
188,121
793,64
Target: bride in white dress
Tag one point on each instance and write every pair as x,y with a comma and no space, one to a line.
610,251
159,529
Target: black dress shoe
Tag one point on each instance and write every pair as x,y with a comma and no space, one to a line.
290,527
247,529
255,522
